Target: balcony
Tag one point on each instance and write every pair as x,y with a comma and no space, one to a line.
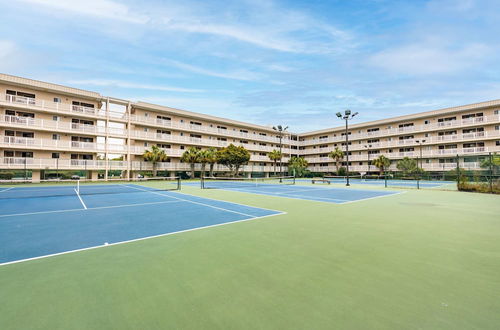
84,110
474,150
57,107
473,120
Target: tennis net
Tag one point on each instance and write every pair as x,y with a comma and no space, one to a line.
228,183
342,179
53,188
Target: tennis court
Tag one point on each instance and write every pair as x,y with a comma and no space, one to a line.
390,182
39,221
286,187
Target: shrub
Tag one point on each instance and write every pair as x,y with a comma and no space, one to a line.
6,176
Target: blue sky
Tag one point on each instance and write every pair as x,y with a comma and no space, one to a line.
267,62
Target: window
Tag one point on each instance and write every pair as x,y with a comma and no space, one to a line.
497,128
195,123
55,155
145,144
427,122
497,142
146,114
496,112
146,129
29,95
83,104
57,100
182,147
56,137
55,118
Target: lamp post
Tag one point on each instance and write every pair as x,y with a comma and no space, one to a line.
346,116
368,147
280,129
420,144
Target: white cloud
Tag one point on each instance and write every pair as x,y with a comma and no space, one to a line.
7,48
97,8
424,58
236,75
124,84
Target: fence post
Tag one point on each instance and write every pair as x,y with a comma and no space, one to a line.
491,173
458,172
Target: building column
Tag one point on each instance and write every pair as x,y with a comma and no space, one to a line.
94,175
35,176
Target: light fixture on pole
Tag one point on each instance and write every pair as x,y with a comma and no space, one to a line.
369,148
347,116
280,129
420,144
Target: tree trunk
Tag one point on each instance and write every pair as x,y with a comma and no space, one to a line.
212,169
203,166
275,162
192,170
337,166
154,169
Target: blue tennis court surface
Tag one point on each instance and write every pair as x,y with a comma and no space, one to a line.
312,193
32,227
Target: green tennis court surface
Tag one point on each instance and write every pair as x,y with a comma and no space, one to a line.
419,260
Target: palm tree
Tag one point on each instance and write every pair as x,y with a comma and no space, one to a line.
275,155
382,163
191,156
211,156
154,156
337,155
203,158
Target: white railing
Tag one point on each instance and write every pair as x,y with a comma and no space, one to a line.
58,125
411,129
58,107
207,129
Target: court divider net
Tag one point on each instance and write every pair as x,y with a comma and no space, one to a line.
229,182
12,189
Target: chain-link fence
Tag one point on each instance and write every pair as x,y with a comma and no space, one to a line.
478,173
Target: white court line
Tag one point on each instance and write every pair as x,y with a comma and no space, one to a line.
187,200
1,191
218,200
80,198
90,208
341,201
365,199
137,239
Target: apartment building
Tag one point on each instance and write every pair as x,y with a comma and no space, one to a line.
434,137
47,126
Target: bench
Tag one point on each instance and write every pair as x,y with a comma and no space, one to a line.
320,180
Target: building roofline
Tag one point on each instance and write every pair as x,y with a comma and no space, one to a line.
431,113
45,86
50,87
